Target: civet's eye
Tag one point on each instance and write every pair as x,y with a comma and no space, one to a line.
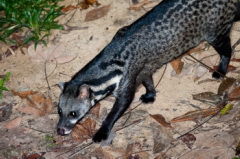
72,114
60,111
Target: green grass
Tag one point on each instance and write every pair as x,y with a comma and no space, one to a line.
2,81
36,18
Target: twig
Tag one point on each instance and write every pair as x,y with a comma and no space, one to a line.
45,72
200,124
89,144
40,131
64,74
161,76
53,69
85,146
72,14
126,119
133,153
134,122
9,48
74,149
208,67
235,45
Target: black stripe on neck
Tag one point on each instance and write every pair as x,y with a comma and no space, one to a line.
103,79
106,91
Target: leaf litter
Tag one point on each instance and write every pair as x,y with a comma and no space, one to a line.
135,146
53,53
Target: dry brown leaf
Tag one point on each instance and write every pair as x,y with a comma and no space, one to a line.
225,85
68,8
85,130
134,151
211,145
208,97
161,120
238,149
139,5
95,110
231,68
235,60
91,2
161,137
235,94
97,13
31,111
193,115
85,4
42,102
5,112
36,100
23,94
13,123
188,139
177,65
102,153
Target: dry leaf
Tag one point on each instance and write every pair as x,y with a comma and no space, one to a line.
238,149
95,110
13,123
235,60
31,111
33,156
97,13
134,151
187,70
211,145
188,139
225,85
23,94
139,5
42,102
85,130
160,119
161,137
68,8
177,65
36,100
85,4
209,97
193,115
5,112
53,53
90,1
231,68
200,71
235,94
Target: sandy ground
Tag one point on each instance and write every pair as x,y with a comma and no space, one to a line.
174,97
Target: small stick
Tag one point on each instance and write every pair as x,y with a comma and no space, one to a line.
224,76
222,104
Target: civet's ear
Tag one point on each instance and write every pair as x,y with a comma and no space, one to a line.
61,85
84,92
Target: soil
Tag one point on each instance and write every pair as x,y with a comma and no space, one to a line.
137,134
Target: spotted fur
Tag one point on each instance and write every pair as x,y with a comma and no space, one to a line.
136,51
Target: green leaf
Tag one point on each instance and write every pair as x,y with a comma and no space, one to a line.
7,76
3,88
1,81
226,109
38,16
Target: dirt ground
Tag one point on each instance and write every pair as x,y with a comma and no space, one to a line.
137,135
